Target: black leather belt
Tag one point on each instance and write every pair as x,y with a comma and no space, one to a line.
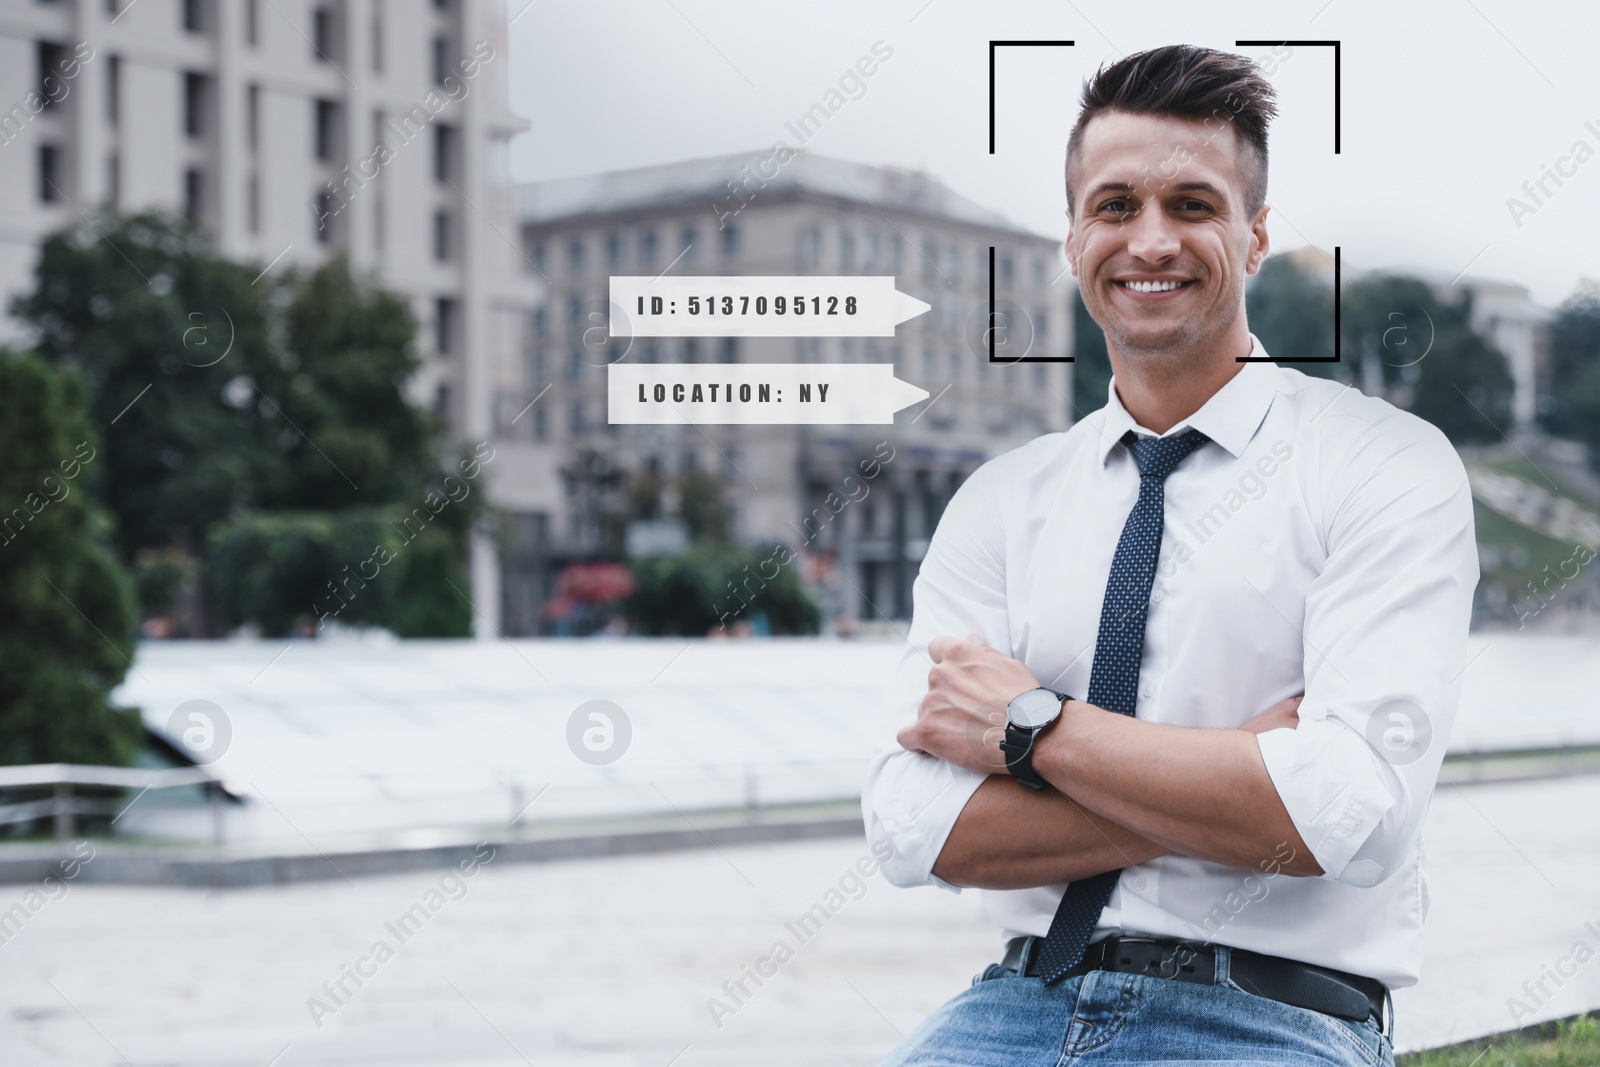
1304,985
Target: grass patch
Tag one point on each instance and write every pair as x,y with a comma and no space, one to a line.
1573,1042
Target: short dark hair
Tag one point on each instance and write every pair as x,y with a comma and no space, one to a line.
1186,82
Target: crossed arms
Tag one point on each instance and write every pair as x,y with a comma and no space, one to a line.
1126,790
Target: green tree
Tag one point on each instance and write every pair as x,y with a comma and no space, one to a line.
1091,366
145,313
1428,357
67,632
1570,406
1292,315
251,409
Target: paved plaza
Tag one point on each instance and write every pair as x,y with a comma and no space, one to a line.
615,961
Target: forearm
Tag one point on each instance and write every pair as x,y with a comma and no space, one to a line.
1010,837
1201,793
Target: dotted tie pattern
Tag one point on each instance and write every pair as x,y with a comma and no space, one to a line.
1114,678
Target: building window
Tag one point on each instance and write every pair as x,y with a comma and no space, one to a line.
325,212
252,22
326,119
540,324
730,350
441,235
730,240
114,182
441,59
114,91
194,189
51,58
194,104
930,260
49,173
324,34
444,152
252,116
541,423
253,191
613,250
377,38
444,326
1006,269
847,250
691,238
540,258
649,248
575,256
193,16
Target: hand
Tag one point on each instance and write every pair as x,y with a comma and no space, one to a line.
962,719
1283,713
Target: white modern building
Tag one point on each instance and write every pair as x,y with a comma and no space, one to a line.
289,129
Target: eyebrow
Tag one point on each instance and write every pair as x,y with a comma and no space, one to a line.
1181,187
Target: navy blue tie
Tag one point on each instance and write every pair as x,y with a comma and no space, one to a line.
1114,678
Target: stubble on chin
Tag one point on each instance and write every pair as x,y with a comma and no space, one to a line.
1172,348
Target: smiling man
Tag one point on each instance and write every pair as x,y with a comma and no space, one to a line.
1180,679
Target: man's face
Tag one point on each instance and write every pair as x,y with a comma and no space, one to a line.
1160,203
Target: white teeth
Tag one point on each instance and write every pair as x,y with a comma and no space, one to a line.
1152,287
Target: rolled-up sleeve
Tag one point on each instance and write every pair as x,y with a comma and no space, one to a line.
911,800
1385,636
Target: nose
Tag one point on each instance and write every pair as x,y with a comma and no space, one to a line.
1152,236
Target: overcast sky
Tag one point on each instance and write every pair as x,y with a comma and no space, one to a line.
1448,107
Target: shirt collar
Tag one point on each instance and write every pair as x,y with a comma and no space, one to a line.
1230,418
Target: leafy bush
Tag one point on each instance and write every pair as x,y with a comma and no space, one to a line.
67,632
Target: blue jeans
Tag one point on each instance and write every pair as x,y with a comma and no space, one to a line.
1104,1017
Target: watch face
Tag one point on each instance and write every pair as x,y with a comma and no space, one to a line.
1033,709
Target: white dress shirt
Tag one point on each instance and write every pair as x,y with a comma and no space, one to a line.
1322,542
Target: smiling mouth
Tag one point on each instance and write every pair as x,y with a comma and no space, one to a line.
1154,287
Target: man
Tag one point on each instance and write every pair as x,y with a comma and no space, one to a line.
1194,662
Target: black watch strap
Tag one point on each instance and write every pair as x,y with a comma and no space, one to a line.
1018,748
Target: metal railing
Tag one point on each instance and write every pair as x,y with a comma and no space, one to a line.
64,807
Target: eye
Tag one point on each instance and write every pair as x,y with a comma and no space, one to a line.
1194,205
1116,206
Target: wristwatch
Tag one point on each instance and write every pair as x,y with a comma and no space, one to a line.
1027,716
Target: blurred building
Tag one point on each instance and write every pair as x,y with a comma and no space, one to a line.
1505,314
765,214
290,129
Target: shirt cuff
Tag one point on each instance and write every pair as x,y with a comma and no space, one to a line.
912,801
1324,775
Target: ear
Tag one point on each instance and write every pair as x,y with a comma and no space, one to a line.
1260,245
1072,259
